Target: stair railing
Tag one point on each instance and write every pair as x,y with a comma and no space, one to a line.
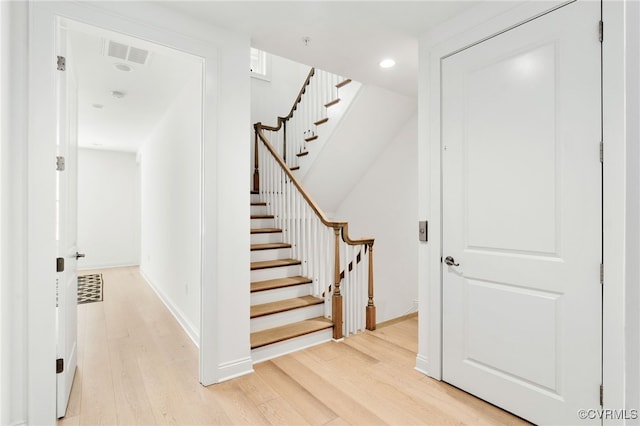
295,130
314,238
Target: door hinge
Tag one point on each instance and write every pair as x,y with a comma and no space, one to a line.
59,365
601,31
601,152
602,273
601,396
59,264
60,164
62,63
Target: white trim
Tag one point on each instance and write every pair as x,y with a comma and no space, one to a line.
615,205
481,22
422,364
237,368
224,54
107,266
177,313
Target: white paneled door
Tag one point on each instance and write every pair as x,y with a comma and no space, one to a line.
522,299
66,232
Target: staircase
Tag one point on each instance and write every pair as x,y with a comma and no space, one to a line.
285,316
310,281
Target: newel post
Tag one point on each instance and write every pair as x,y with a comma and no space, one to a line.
337,296
371,308
256,169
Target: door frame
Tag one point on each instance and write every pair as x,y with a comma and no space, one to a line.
224,53
469,28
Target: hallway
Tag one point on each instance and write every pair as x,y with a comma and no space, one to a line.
136,366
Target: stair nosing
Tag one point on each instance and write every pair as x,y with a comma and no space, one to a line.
302,154
305,302
311,138
278,283
294,168
265,230
262,216
327,324
343,83
268,264
321,121
332,103
269,246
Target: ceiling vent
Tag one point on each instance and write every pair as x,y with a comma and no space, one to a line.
126,53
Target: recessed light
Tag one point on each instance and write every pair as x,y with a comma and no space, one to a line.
117,94
97,106
122,67
387,63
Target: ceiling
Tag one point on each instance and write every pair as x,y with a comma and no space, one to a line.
348,38
123,124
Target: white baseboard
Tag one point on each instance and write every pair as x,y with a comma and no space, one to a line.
92,266
232,369
422,364
188,327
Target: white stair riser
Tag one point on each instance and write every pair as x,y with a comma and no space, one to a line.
288,317
262,223
273,273
258,210
268,352
260,297
271,254
255,198
275,237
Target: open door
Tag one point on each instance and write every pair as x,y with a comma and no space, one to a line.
66,232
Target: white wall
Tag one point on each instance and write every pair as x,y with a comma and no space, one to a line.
274,97
13,213
270,99
170,208
108,209
372,120
383,205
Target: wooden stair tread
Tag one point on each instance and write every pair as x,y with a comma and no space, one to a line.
302,154
269,246
262,216
265,264
332,103
265,230
322,121
259,203
311,138
294,168
278,283
253,192
284,305
343,83
289,331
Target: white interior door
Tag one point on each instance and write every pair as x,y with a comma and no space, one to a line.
521,130
67,281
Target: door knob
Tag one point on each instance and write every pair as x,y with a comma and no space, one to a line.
450,261
79,255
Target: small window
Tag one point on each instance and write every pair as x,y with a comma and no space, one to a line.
260,64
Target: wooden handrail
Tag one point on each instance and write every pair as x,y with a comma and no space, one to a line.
343,226
340,228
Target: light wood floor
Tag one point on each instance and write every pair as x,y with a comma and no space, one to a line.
137,367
